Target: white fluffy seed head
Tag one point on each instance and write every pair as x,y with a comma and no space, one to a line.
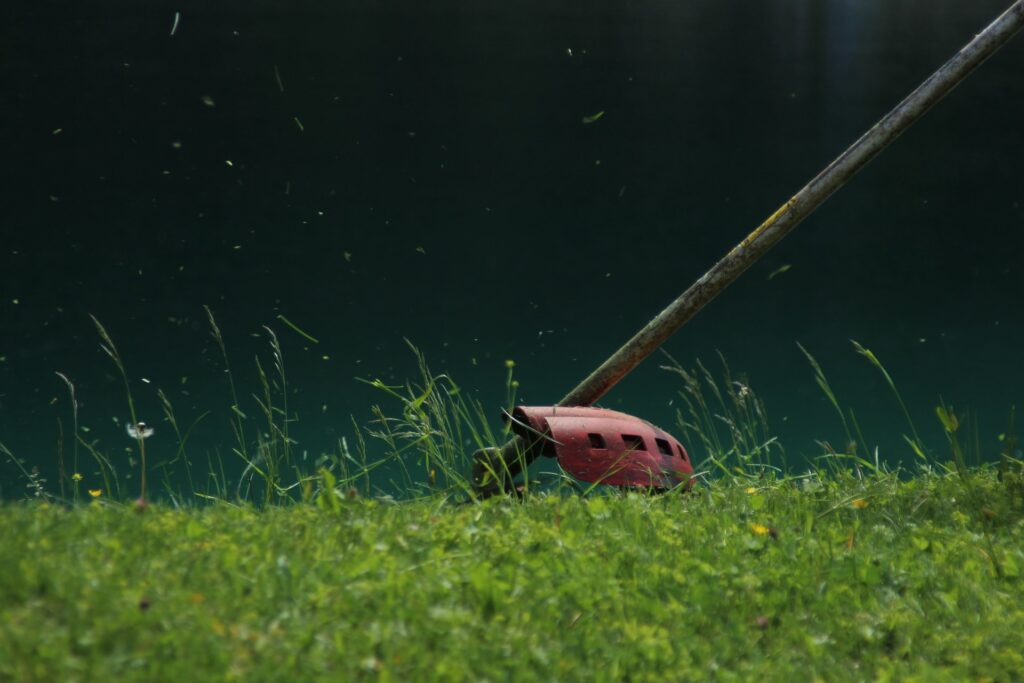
139,430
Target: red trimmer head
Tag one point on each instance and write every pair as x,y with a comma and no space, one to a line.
604,446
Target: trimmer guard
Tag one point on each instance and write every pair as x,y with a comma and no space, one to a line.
605,446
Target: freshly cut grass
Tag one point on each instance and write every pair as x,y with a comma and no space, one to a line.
834,578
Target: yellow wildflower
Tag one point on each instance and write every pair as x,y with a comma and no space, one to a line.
76,477
95,493
751,490
859,503
760,529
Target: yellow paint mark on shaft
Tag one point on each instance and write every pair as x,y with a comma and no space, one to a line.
769,222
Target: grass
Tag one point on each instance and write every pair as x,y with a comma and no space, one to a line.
805,579
846,571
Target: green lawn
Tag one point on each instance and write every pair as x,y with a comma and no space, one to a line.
842,579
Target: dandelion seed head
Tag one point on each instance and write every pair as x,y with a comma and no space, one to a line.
139,430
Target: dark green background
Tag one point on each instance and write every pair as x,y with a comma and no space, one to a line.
442,147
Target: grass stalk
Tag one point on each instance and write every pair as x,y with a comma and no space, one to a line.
915,442
238,417
110,349
76,475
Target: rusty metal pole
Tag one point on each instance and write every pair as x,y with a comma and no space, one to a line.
515,454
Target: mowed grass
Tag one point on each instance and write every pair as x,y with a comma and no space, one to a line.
834,578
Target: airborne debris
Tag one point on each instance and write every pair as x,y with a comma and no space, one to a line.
780,270
297,329
594,117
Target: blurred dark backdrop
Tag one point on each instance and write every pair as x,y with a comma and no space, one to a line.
375,171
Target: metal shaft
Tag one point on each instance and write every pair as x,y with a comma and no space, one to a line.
789,215
767,235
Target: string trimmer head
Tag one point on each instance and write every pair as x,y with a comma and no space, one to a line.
603,446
